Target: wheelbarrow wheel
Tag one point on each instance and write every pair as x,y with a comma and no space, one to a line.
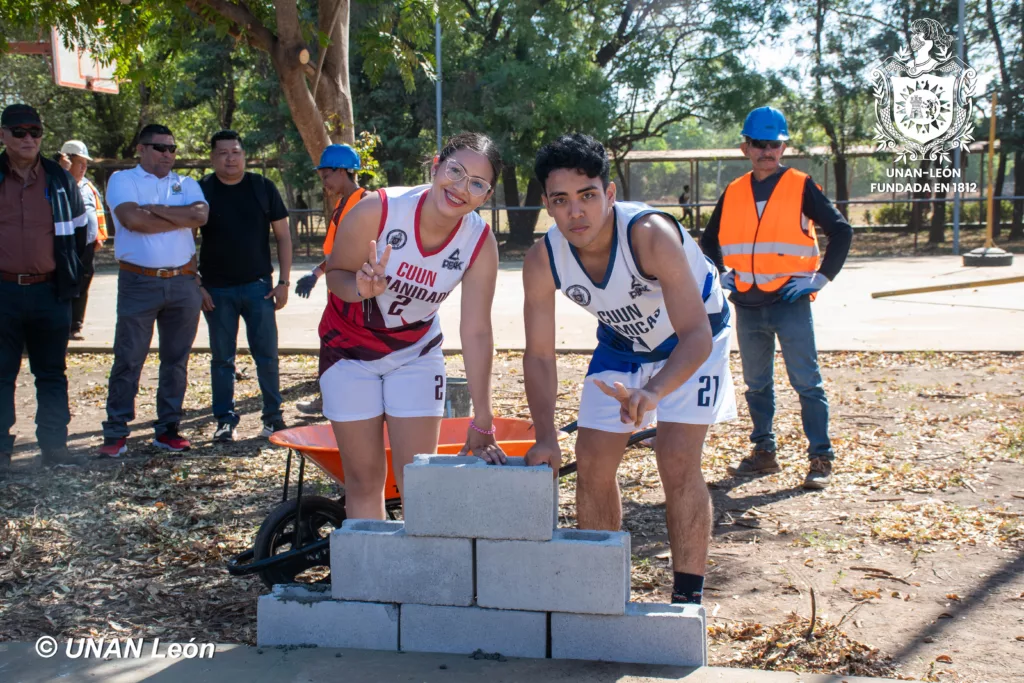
320,516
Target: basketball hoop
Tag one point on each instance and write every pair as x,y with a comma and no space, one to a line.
78,67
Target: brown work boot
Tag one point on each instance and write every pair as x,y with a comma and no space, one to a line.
820,474
761,461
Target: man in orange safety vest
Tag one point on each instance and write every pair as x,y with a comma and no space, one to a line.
764,231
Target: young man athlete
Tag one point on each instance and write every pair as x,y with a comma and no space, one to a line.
663,346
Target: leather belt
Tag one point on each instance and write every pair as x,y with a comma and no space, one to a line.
26,278
157,272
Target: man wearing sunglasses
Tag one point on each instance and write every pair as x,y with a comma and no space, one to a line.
42,238
763,230
155,211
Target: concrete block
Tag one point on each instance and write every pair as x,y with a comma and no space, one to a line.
306,615
464,630
648,633
576,571
464,497
375,561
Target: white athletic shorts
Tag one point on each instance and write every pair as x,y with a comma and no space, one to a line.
707,397
405,383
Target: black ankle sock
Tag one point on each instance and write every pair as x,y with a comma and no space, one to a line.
688,588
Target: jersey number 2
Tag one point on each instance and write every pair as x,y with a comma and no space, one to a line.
439,387
703,400
399,304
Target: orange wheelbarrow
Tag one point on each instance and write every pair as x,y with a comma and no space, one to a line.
295,536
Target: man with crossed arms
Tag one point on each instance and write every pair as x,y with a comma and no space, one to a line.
155,211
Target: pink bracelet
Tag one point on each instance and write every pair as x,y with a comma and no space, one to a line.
472,425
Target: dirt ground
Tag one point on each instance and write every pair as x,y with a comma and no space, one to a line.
911,564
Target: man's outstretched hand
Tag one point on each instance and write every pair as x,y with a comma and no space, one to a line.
633,403
305,285
545,453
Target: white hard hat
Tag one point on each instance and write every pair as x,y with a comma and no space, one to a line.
76,147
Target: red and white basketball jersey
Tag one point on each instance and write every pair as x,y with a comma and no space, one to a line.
418,282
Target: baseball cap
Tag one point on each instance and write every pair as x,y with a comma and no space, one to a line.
76,147
20,115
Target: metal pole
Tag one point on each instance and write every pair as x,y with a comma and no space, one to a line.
956,153
991,175
437,87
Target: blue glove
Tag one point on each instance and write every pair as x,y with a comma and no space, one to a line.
800,286
728,281
305,285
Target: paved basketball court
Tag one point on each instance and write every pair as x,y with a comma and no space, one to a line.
846,317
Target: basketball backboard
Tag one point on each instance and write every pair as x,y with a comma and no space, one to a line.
75,67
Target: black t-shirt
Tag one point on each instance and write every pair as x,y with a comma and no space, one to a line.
236,238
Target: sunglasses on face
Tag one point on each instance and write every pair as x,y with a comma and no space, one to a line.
161,148
20,132
455,172
766,144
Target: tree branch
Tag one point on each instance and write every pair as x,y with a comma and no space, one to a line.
245,23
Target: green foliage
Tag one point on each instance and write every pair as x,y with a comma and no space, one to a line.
893,214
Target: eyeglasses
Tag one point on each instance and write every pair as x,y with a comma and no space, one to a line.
766,144
20,132
456,172
162,148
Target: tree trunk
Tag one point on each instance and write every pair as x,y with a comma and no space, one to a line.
333,93
997,191
1017,231
840,168
520,223
937,233
229,103
917,210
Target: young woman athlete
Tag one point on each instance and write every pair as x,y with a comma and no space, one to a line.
399,253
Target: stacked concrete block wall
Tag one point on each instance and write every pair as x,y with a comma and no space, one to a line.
477,565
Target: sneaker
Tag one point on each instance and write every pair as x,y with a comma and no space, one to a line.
314,407
761,461
172,441
60,456
76,335
271,427
5,465
819,476
225,432
113,447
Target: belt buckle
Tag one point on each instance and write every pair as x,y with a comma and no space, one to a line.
21,275
162,272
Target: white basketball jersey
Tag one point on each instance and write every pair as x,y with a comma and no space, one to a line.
628,304
418,280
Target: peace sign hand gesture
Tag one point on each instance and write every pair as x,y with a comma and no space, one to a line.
370,280
634,403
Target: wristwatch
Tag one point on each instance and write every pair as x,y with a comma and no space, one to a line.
283,282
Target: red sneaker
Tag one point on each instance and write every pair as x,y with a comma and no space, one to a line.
113,448
172,441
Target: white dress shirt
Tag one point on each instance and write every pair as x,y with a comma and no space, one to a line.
161,250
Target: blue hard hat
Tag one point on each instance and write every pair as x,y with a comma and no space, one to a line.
765,123
339,156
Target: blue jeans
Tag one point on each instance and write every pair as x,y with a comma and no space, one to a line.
248,302
756,329
33,320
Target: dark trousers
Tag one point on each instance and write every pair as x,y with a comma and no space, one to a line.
249,303
173,304
32,319
78,305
